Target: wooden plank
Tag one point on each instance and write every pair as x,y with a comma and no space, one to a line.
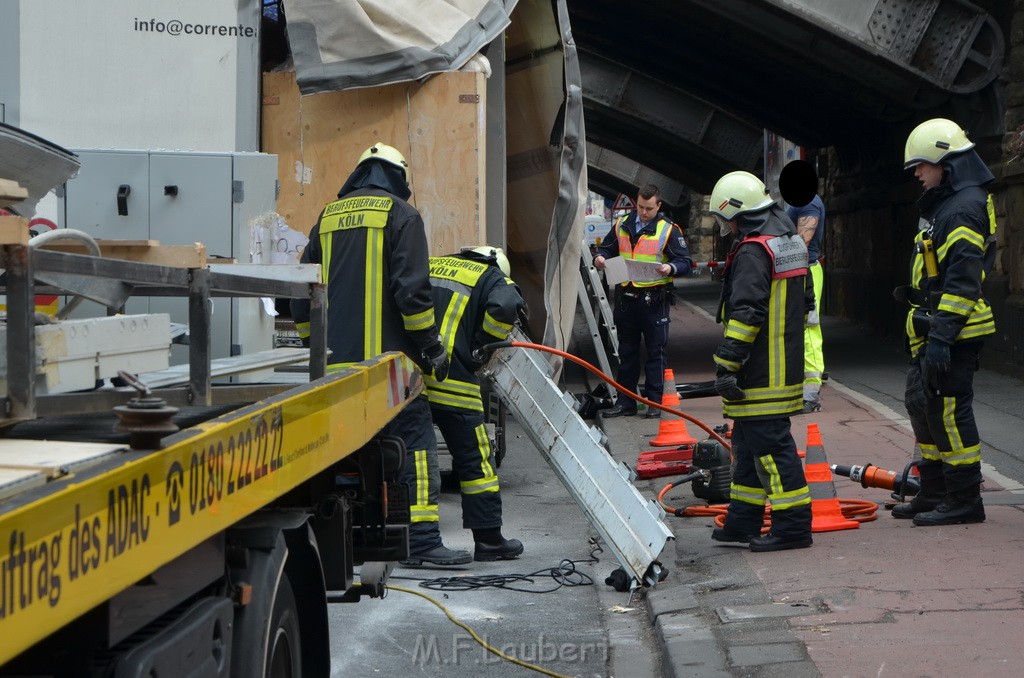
438,125
14,481
11,192
50,457
13,231
142,251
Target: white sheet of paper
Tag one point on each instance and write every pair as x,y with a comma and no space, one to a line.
643,271
615,271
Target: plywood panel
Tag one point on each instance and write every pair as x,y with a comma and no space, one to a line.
438,125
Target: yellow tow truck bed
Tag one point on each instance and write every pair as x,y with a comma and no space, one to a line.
70,542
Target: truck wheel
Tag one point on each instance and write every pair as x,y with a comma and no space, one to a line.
284,650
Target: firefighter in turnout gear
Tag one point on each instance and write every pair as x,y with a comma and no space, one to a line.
642,308
475,303
760,364
947,321
372,248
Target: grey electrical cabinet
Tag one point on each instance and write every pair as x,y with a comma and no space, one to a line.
179,198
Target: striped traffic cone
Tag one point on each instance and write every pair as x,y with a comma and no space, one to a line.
826,513
672,429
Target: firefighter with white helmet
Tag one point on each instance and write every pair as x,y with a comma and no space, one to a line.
947,321
760,364
372,246
476,303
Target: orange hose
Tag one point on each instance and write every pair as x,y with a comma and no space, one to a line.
618,387
859,510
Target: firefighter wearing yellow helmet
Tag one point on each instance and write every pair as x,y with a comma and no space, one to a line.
372,247
947,321
475,303
760,364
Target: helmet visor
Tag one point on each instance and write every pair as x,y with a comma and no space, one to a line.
724,225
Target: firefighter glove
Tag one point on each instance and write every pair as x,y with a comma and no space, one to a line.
727,387
437,358
937,362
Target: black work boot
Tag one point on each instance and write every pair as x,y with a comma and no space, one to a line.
770,542
933,491
919,504
439,555
725,534
956,509
491,545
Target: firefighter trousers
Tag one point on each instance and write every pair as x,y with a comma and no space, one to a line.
420,474
766,469
944,423
465,435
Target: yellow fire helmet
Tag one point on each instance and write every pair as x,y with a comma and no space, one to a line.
737,193
390,154
933,140
496,252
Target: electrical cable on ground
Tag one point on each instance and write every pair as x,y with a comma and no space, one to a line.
565,575
493,650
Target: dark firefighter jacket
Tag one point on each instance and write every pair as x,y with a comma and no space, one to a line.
475,304
765,297
372,248
960,222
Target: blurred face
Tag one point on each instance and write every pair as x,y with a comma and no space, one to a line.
647,208
928,174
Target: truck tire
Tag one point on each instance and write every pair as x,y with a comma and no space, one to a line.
284,649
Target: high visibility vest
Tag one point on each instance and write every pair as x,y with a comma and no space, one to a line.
649,247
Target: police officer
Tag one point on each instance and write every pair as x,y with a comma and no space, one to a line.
642,308
947,322
760,363
475,303
372,247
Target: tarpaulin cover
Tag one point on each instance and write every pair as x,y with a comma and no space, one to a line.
342,44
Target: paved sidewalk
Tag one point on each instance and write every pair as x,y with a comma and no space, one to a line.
885,599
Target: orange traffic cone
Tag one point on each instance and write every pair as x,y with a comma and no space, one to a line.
826,513
672,429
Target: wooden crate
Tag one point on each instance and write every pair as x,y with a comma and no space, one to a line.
439,125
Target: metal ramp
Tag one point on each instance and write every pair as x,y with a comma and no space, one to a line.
630,525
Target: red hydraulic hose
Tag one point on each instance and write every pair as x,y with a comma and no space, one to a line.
604,377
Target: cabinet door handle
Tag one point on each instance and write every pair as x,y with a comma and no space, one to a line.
122,199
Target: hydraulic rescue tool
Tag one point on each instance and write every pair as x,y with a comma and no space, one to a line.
902,484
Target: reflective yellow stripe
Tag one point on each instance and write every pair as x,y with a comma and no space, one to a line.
453,393
929,452
777,335
326,242
734,329
949,423
968,455
418,321
374,299
955,304
784,500
748,495
422,511
489,481
774,479
452,317
731,365
496,328
302,329
961,233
